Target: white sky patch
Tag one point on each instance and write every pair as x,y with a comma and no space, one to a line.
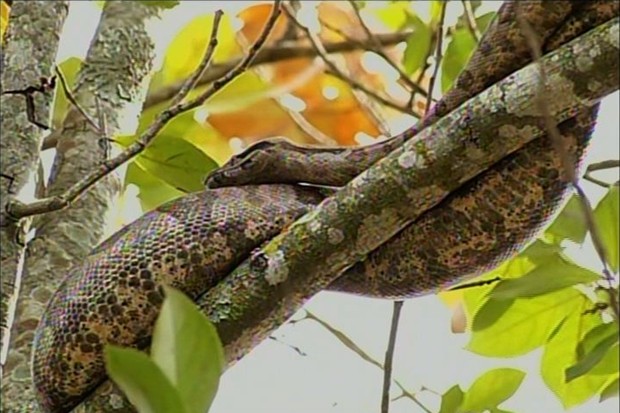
330,92
292,102
236,145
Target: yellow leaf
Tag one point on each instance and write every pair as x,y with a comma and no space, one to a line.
4,19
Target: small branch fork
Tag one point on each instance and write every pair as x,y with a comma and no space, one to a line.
45,86
568,164
18,210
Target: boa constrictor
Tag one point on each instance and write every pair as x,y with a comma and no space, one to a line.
114,295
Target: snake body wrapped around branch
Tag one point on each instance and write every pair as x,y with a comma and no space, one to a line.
192,243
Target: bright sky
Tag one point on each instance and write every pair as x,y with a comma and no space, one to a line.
330,378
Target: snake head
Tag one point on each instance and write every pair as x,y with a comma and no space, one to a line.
255,165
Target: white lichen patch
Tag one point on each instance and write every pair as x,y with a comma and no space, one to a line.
277,270
360,180
314,226
584,62
334,236
409,159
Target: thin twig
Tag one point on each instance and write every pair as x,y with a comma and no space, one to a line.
389,357
438,58
74,102
599,166
470,20
568,164
334,70
378,49
269,55
18,209
344,339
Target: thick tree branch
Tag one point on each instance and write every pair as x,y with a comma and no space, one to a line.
120,58
269,287
28,55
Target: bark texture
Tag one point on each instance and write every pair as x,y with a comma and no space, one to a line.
115,74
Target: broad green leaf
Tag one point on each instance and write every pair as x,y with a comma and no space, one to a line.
457,54
69,69
594,336
153,192
607,220
553,275
540,252
394,15
418,44
611,390
176,162
592,358
489,313
188,350
527,324
570,223
491,389
558,355
484,20
451,400
144,384
475,298
164,4
436,9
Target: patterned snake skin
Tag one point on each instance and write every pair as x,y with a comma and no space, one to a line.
191,243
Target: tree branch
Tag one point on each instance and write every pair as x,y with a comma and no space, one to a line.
28,53
54,203
269,287
271,55
121,56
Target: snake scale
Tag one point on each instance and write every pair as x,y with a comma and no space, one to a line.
191,243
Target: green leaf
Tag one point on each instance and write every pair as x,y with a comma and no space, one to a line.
418,44
153,192
436,10
526,325
451,400
394,15
570,223
607,220
144,384
484,20
455,58
540,252
594,336
553,275
611,390
164,4
560,353
491,389
593,357
176,162
188,350
489,313
69,69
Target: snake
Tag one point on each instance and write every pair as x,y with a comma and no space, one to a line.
114,295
